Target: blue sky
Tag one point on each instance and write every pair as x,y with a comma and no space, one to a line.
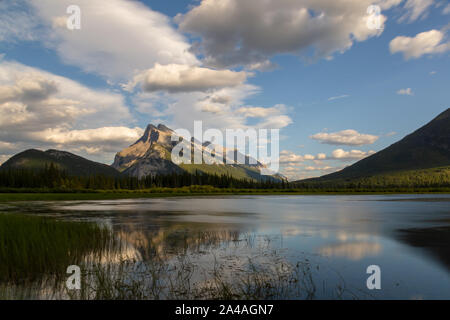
289,65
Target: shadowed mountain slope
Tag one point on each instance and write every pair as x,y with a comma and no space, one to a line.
427,147
69,162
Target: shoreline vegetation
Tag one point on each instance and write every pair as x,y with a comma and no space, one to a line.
33,247
52,183
7,195
115,266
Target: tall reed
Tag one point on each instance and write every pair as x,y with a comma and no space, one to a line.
32,247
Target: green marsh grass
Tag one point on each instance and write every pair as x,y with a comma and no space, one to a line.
144,266
33,247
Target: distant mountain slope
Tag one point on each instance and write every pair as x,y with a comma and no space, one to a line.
73,164
151,154
427,147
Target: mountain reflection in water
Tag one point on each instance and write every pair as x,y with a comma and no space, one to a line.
324,242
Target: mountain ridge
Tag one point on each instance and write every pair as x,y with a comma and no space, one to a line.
425,148
69,162
151,154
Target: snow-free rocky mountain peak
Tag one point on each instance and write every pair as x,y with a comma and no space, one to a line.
151,154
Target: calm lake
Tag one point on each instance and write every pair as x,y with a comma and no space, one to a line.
335,238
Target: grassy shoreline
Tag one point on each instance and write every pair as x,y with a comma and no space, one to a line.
32,247
194,191
36,252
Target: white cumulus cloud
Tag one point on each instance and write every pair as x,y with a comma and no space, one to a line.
289,157
296,166
424,43
248,32
184,78
340,154
345,137
104,135
116,39
259,112
42,110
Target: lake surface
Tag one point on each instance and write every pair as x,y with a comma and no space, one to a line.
407,236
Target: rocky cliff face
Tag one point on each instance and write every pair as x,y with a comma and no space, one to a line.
151,154
151,144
